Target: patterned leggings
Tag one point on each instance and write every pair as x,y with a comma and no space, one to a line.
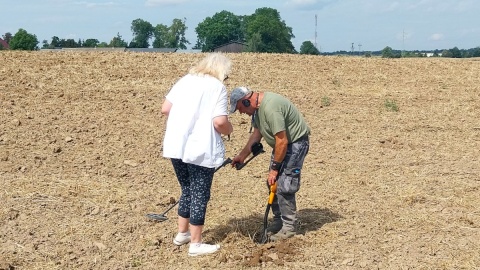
195,182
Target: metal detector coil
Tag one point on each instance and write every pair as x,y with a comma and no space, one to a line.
162,217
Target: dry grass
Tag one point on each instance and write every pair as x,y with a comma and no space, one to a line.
80,164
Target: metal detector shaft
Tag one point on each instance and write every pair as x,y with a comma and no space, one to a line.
227,161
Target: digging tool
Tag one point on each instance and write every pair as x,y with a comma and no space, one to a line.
162,217
256,149
273,190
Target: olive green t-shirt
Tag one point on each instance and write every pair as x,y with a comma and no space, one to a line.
275,114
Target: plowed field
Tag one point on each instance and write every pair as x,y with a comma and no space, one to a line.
392,180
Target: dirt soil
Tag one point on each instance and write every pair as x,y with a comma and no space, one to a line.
392,180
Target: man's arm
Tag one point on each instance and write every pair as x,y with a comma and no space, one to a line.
281,143
255,137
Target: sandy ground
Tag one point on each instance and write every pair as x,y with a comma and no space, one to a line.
391,181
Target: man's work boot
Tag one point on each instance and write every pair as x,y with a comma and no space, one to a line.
283,234
275,226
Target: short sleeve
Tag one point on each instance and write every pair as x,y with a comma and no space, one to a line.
222,104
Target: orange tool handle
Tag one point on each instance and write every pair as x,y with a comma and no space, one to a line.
273,190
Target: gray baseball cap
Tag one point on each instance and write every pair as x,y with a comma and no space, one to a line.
236,95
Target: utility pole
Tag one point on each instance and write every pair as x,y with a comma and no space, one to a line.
316,31
353,48
359,48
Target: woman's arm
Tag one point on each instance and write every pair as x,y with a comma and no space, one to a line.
167,105
222,125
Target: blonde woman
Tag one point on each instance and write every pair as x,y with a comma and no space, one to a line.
197,112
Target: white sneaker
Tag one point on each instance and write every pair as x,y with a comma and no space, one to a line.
182,239
197,249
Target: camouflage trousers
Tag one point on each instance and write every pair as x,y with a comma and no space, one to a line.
284,206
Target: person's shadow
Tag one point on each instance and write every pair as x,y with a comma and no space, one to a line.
309,219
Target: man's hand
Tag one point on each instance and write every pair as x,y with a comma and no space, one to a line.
237,160
272,177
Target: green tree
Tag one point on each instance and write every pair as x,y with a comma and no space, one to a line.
219,29
456,53
142,32
177,34
102,44
117,41
7,37
476,52
171,37
466,54
387,52
22,40
446,53
55,42
308,48
161,35
45,44
255,43
91,43
69,43
275,34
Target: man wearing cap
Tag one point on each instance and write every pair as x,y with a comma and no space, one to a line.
283,127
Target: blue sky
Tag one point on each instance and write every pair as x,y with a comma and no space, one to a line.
369,24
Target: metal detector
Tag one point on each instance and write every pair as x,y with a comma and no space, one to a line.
256,149
162,217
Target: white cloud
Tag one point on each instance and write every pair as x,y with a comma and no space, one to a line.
436,37
152,3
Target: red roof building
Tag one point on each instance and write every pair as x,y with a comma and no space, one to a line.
3,44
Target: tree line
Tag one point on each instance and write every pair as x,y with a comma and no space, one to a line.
454,52
262,31
388,52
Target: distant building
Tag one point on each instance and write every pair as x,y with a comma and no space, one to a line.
231,47
431,54
4,44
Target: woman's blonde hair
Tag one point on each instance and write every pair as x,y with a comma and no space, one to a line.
214,64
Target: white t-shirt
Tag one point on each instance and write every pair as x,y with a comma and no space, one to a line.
190,134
